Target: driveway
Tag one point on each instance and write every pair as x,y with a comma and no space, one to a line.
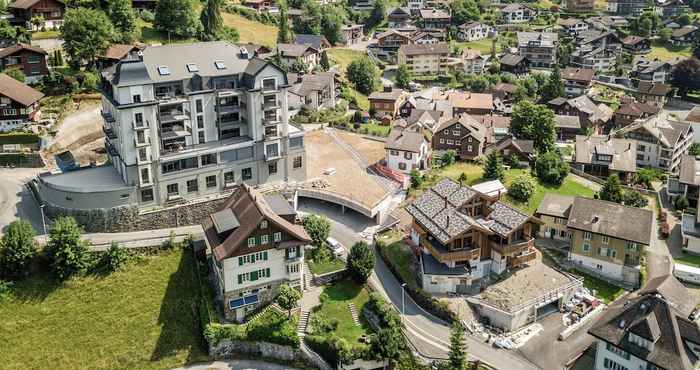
428,335
16,201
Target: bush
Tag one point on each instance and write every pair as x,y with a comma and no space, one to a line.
360,262
115,258
416,179
66,250
634,198
89,81
333,349
147,16
273,327
5,290
551,168
522,188
215,333
681,203
17,249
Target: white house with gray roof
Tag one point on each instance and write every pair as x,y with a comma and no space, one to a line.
186,122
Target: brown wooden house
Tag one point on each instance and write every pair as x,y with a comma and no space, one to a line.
31,60
51,11
463,134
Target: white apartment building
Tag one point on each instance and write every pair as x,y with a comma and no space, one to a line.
425,59
517,13
189,120
256,246
661,142
474,31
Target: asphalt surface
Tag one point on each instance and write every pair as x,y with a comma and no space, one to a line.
236,365
16,201
429,335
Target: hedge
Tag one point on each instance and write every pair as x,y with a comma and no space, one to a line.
18,138
423,299
271,326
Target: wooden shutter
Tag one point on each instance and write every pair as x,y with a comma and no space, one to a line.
253,275
240,279
265,255
240,261
267,272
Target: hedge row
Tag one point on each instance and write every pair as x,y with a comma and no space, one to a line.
19,138
423,299
271,326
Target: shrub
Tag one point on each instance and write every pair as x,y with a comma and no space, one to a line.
215,333
333,349
273,327
551,168
416,179
681,203
522,188
634,198
66,250
360,262
115,257
17,249
5,290
147,16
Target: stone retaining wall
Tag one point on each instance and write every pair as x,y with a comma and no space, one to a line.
330,277
129,218
228,349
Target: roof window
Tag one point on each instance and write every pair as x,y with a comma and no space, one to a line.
163,70
219,64
192,67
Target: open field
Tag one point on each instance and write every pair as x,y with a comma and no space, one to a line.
329,265
342,58
139,318
668,52
252,31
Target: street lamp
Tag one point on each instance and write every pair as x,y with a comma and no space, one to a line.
403,302
43,220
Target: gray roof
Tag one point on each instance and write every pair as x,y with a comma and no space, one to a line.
224,220
424,49
555,205
539,39
431,266
602,217
655,317
666,131
294,50
689,170
514,7
279,204
503,219
317,42
512,59
317,81
434,14
623,151
562,121
405,140
394,94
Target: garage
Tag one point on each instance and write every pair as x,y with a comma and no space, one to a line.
547,309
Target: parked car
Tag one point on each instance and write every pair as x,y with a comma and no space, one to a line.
335,247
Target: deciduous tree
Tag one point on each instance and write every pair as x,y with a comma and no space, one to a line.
287,298
86,33
403,77
318,228
67,251
364,75
534,122
686,76
123,18
464,11
522,188
360,262
550,168
177,18
17,249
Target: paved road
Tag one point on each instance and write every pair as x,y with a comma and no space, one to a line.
236,365
429,335
16,200
136,239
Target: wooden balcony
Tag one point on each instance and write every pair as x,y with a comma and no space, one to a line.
444,255
518,260
514,248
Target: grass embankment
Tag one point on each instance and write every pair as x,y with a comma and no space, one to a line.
252,31
342,58
334,305
326,266
138,318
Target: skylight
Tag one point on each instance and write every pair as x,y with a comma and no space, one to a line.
220,64
192,67
163,70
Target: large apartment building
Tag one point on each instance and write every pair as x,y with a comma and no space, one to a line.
540,48
425,59
465,235
256,246
188,120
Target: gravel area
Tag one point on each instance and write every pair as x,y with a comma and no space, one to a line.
81,133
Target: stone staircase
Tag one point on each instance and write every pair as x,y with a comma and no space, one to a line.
353,313
303,323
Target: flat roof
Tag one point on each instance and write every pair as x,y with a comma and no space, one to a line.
87,180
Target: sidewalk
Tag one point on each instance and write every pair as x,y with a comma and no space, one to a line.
134,239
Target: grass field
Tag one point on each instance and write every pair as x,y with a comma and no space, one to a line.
688,259
603,290
484,46
334,305
323,267
343,57
139,318
668,52
402,259
475,173
41,35
252,31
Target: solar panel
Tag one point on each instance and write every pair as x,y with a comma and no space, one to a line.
251,299
235,303
163,70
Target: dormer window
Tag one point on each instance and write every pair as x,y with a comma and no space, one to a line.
192,67
263,224
219,64
163,70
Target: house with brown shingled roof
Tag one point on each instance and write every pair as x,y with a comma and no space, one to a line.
51,11
31,60
19,103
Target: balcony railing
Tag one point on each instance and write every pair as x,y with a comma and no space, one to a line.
109,132
271,104
174,116
525,257
147,141
514,247
444,255
270,120
140,125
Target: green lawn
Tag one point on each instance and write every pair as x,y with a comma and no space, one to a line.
484,46
402,258
688,259
603,290
50,34
334,305
149,35
139,318
375,129
323,267
343,57
252,31
474,176
668,52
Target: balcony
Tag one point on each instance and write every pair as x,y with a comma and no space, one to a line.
514,247
271,135
229,108
270,119
145,142
109,132
445,255
520,259
107,116
173,116
271,104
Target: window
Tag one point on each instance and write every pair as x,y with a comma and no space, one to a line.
586,247
163,70
450,142
469,148
605,239
617,351
143,154
272,150
192,186
264,239
198,106
587,235
145,176
136,98
263,224
272,168
228,177
641,148
612,365
293,269
211,181
192,67
631,246
269,84
246,173
446,131
442,141
147,195
603,251
172,189
251,241
456,132
469,139
277,236
408,155
200,137
140,137
458,142
208,159
200,121
297,162
402,166
138,118
219,64
394,152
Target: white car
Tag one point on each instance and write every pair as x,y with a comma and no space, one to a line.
336,247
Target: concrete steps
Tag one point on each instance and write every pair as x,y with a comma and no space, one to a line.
353,313
303,323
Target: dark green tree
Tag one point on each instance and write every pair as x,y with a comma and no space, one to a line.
522,188
360,262
86,33
464,11
686,76
696,46
416,179
331,24
403,77
115,258
123,18
681,203
284,35
612,190
212,23
177,18
324,62
493,168
377,16
364,75
318,228
287,298
634,198
457,356
66,250
550,168
534,122
17,249
554,87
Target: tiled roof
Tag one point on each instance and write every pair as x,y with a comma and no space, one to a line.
602,217
504,218
653,88
18,91
555,205
405,140
577,74
511,59
623,151
424,49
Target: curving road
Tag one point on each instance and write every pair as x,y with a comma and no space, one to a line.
429,335
16,201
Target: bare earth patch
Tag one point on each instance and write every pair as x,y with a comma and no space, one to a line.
372,150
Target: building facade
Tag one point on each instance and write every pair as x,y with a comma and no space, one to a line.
30,60
425,59
19,103
540,48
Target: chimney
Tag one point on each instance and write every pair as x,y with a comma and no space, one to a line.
387,88
595,219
